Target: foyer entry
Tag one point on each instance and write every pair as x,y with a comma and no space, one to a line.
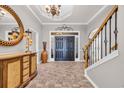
64,48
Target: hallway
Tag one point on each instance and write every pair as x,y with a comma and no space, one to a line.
60,75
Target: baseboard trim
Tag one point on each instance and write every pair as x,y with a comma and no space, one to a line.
90,80
104,60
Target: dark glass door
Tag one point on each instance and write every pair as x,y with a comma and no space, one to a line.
64,48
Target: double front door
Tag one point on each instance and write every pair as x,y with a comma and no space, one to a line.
64,48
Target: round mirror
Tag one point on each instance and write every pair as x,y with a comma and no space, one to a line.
11,27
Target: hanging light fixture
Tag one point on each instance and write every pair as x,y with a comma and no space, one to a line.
53,10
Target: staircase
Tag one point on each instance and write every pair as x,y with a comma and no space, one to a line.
101,48
104,42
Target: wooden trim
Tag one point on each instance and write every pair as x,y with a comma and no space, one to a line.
30,66
114,47
14,58
18,86
31,62
25,61
33,75
21,71
27,81
14,55
26,68
85,57
86,48
115,8
1,73
5,71
26,74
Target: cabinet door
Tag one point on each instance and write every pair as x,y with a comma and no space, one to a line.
13,73
33,64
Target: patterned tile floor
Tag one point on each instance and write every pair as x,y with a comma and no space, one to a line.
60,75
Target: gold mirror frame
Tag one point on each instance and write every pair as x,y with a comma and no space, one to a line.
19,22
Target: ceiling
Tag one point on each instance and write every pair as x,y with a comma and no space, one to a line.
79,14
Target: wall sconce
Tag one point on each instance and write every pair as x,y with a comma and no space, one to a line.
28,37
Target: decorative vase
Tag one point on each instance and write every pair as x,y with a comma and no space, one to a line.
44,55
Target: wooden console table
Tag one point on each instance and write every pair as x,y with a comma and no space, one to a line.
17,70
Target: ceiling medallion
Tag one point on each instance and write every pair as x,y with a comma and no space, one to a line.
56,12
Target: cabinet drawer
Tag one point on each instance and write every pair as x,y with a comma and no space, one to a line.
26,58
25,65
26,77
33,64
26,71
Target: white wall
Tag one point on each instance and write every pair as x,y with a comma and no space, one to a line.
110,74
47,28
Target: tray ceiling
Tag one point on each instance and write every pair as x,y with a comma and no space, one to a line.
71,14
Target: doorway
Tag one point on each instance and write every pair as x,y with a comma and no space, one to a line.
64,48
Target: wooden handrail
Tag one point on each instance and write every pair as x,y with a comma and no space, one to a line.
86,48
115,8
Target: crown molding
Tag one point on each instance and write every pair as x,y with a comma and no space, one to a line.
97,13
8,24
34,14
90,20
64,23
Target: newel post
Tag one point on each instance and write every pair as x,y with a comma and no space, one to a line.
85,49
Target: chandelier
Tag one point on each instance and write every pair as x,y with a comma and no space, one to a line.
53,9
